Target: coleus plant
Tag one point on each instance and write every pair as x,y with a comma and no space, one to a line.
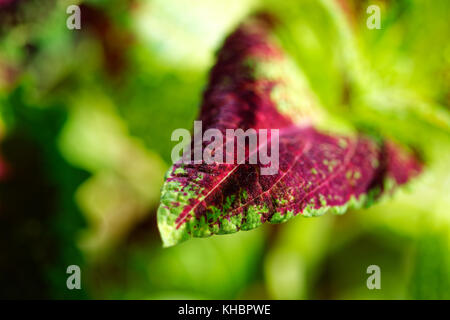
254,85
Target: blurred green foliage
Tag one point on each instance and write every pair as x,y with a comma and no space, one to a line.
85,123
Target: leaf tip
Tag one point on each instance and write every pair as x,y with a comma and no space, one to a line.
170,234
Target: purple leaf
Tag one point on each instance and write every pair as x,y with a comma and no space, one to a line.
317,172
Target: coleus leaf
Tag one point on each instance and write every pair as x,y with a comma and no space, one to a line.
251,87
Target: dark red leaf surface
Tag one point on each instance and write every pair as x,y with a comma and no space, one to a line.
318,172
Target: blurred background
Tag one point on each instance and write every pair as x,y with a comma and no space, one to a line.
85,123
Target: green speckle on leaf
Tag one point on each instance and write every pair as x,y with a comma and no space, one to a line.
179,171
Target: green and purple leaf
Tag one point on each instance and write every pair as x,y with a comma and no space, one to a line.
318,172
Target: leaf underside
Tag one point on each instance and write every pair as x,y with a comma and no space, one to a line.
318,172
